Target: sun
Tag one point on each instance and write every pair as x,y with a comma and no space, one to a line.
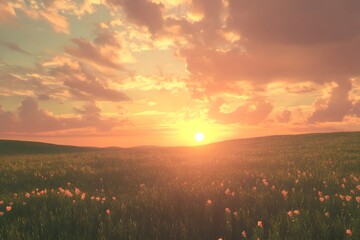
199,137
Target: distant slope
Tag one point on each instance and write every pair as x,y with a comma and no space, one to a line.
11,147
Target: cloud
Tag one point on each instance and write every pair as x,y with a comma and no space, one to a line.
142,12
7,11
29,118
284,116
15,47
281,41
336,107
250,113
84,83
88,51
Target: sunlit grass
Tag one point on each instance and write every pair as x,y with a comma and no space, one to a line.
300,187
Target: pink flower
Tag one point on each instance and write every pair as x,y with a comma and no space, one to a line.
235,214
227,191
233,194
348,198
348,232
243,234
358,199
220,239
321,199
1,214
297,181
358,187
27,195
8,208
296,212
208,202
1,202
290,213
327,214
108,211
83,195
260,224
327,197
284,193
113,198
273,187
343,185
227,210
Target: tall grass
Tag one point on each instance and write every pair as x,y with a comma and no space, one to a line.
291,187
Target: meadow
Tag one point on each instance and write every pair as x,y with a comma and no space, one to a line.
280,187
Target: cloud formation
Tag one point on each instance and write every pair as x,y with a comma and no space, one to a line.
250,113
29,118
142,12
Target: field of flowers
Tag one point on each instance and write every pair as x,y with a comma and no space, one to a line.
286,187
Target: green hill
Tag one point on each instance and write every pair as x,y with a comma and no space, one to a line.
11,147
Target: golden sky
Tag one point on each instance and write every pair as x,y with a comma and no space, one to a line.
156,72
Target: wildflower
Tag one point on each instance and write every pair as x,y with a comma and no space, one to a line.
327,214
15,195
344,180
260,224
321,199
8,208
68,183
208,202
73,201
220,239
348,232
296,212
227,191
327,197
1,202
358,187
24,203
108,211
235,214
343,185
233,194
227,210
297,181
348,198
273,187
243,234
341,197
290,213
1,214
142,185
284,193
358,199
83,195
27,195
113,198
254,189
77,191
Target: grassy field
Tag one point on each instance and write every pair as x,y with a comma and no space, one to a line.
282,187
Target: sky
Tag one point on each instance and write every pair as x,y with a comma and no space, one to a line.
156,72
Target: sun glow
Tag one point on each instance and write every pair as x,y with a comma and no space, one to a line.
199,137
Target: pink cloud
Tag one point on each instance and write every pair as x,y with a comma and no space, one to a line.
83,83
29,118
337,106
250,113
88,51
142,12
7,11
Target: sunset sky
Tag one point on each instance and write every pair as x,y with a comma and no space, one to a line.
155,72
